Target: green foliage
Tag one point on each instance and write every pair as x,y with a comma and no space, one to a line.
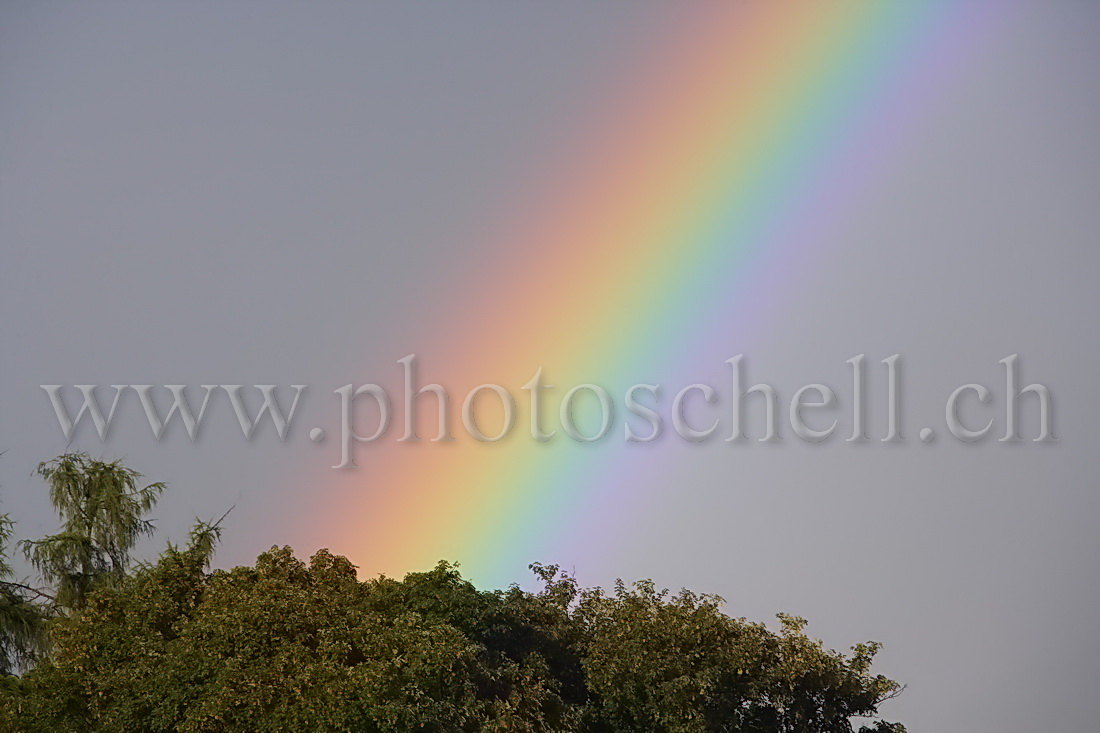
661,663
21,632
286,645
102,512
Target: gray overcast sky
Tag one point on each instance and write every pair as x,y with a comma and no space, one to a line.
244,192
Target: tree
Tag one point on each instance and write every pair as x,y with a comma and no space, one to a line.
20,617
662,663
286,645
102,511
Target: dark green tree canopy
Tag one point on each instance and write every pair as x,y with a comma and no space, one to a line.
286,645
21,618
102,512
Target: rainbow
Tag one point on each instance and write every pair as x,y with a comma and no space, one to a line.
750,130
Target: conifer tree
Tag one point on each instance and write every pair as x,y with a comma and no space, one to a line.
102,512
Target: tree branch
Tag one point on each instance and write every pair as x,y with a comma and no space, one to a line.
36,591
